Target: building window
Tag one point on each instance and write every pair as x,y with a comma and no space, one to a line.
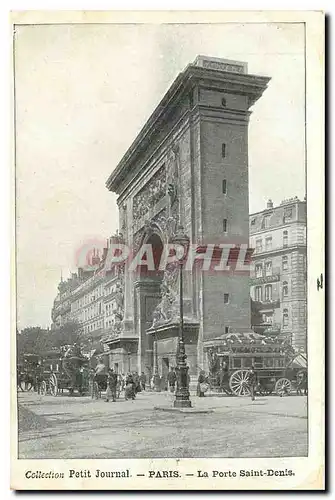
285,263
285,317
268,293
258,294
285,238
268,243
224,150
226,329
287,215
253,222
265,222
226,298
268,268
225,225
259,246
224,186
285,288
259,270
267,318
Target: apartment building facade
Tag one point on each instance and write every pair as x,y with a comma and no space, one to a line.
279,271
93,298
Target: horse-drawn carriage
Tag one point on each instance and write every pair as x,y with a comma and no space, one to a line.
54,371
66,369
231,356
27,372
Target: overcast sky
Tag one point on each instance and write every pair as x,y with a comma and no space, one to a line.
83,92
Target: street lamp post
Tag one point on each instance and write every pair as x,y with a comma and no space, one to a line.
182,399
129,353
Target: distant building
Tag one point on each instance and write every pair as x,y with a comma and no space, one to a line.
93,298
279,272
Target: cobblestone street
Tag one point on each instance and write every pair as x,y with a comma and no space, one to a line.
78,427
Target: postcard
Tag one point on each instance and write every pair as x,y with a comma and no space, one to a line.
168,296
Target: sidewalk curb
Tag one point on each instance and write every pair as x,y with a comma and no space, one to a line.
182,410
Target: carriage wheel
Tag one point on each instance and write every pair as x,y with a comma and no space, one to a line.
53,384
238,383
43,388
26,385
283,387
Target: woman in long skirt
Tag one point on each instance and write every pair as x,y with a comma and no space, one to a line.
201,381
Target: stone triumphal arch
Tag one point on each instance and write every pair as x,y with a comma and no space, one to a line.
189,166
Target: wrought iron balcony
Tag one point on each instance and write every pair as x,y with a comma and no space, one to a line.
265,304
265,279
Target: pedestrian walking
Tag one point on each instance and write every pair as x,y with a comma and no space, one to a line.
118,385
157,382
38,377
100,374
143,380
224,379
172,378
80,380
129,391
152,382
111,385
202,386
122,381
301,383
252,382
137,382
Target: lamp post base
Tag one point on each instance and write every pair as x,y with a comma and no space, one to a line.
182,396
182,403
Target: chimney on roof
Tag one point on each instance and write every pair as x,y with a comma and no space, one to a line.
95,258
104,254
269,204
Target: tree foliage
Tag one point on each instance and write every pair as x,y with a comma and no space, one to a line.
36,340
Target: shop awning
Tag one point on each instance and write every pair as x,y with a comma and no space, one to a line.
300,361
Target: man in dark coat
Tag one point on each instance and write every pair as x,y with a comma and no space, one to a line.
202,380
143,380
224,379
129,392
252,382
111,385
137,383
172,378
38,377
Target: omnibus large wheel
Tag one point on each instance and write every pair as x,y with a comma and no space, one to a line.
53,385
283,387
238,383
43,388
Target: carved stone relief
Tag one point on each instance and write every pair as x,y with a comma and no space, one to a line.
172,176
167,310
124,221
137,240
165,182
150,194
